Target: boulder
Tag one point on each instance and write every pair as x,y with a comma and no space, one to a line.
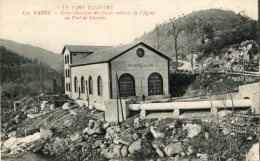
75,137
223,113
66,106
173,148
112,152
112,132
137,123
106,125
17,119
44,105
192,130
156,134
45,133
124,151
68,122
203,157
159,152
190,151
52,107
136,146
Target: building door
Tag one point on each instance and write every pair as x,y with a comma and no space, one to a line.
155,84
127,85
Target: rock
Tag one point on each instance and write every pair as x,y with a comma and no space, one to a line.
155,133
192,130
190,150
126,139
135,147
159,152
112,132
137,136
52,107
97,144
75,137
124,151
223,113
88,131
173,148
137,123
206,135
226,131
68,122
253,153
91,124
203,157
66,106
106,125
17,119
112,152
44,105
116,140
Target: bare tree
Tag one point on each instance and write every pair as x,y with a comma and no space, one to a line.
176,30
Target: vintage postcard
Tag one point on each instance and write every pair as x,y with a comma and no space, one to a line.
130,80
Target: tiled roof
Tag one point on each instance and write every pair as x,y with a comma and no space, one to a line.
82,49
109,54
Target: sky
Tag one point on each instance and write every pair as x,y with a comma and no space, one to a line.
52,32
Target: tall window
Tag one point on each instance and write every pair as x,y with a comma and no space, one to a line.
155,84
68,72
66,86
75,84
68,59
82,85
90,85
127,85
69,86
99,86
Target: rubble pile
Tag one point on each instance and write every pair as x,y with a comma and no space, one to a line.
80,133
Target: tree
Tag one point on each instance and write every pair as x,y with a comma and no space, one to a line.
175,31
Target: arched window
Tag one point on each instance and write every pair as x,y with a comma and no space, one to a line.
69,86
155,84
99,86
90,85
82,85
68,59
75,84
127,85
68,72
65,59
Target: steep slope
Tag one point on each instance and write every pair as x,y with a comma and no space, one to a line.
48,57
206,31
21,75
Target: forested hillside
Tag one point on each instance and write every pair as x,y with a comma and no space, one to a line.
22,76
45,56
202,34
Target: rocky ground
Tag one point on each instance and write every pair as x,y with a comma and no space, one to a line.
79,133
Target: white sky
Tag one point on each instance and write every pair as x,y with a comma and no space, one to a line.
53,32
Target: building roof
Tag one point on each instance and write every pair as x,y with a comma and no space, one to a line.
107,55
83,49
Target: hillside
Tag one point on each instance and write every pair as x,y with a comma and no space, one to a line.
21,75
48,57
205,33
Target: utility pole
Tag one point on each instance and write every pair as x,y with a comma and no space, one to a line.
41,81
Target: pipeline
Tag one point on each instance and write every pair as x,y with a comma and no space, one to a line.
192,105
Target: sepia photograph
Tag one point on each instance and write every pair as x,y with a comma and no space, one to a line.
130,80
